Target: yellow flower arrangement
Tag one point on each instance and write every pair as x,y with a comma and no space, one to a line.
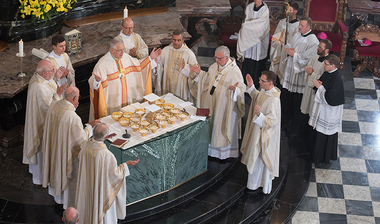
44,9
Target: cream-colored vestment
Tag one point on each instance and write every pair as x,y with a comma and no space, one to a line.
41,93
170,77
63,136
226,106
262,134
134,40
101,184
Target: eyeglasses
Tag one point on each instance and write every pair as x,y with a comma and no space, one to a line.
326,64
217,58
118,51
127,28
263,80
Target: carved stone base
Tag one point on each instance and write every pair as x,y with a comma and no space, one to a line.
372,63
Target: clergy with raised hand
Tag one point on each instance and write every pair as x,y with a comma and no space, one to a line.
61,61
101,186
42,91
301,48
261,142
118,80
134,45
221,89
172,77
286,28
63,136
326,116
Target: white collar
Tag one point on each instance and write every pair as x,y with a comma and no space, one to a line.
123,35
55,55
333,70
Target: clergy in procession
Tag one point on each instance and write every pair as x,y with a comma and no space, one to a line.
261,142
63,136
301,48
253,39
118,80
171,76
314,70
221,89
61,61
101,187
286,28
326,116
42,91
134,45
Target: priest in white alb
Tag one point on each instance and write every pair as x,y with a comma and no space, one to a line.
42,91
63,136
134,45
261,142
118,80
221,89
171,76
286,27
101,186
61,60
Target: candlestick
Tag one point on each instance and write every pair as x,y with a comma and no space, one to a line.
21,47
125,12
21,74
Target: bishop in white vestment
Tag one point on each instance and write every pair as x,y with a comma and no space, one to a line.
134,45
42,91
261,142
101,186
63,136
171,77
221,89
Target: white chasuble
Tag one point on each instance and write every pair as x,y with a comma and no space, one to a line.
309,93
41,93
221,103
264,140
277,50
63,136
170,77
305,47
123,82
101,183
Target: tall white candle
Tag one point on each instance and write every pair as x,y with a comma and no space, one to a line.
21,47
125,12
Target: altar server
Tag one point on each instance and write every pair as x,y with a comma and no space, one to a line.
63,136
326,117
221,89
61,60
42,91
261,142
101,186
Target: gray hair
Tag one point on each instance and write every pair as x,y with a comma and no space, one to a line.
224,49
41,67
101,130
115,41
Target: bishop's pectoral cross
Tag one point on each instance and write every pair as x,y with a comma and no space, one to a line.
122,71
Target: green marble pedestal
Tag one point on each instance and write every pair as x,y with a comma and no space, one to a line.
165,161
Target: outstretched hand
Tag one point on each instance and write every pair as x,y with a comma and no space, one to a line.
155,53
132,163
233,87
257,110
249,80
97,77
196,69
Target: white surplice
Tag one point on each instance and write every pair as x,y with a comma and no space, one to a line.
134,40
62,60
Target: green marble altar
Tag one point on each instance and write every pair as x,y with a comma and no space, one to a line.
165,161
